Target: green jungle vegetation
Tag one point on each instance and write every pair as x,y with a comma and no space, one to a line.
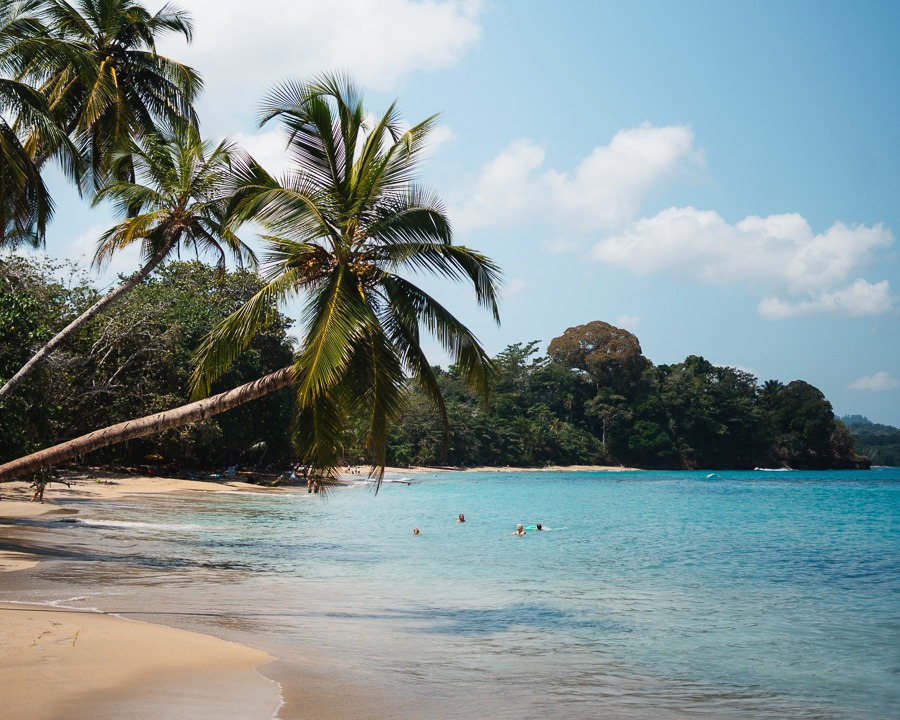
593,399
880,443
134,362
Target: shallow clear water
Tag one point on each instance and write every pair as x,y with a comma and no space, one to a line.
648,595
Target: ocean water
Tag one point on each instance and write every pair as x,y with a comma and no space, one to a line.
647,594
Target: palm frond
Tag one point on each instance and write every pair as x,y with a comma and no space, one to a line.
222,346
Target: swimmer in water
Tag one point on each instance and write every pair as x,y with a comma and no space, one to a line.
415,531
462,518
538,527
520,531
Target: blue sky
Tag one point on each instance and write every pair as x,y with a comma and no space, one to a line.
719,178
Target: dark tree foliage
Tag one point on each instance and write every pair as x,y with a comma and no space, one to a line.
597,399
617,408
136,361
610,356
33,302
877,441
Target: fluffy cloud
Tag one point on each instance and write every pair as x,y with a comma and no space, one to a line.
879,382
856,300
807,273
242,49
602,193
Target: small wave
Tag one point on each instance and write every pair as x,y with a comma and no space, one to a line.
781,469
134,525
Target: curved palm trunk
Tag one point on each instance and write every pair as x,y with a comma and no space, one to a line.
149,425
87,315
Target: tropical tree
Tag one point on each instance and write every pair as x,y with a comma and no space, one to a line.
609,356
25,203
346,223
177,201
96,63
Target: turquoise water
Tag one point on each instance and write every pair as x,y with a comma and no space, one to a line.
648,595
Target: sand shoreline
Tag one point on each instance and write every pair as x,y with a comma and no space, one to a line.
64,662
60,662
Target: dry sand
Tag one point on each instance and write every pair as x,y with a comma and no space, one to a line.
79,665
66,664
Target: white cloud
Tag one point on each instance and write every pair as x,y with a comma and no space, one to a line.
124,262
856,300
879,382
242,49
602,193
807,273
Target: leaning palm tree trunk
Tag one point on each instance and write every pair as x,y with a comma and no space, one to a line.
149,425
94,310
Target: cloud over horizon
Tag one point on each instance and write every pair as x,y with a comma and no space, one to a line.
879,382
805,273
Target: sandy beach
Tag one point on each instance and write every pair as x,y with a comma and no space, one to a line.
57,662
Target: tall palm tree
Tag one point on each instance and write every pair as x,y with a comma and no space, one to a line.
177,201
96,63
346,222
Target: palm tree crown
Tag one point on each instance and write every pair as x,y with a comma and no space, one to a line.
96,63
26,206
177,200
346,223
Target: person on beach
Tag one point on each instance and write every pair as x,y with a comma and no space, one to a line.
520,531
39,486
315,487
462,518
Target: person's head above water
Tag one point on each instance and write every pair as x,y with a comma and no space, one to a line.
415,531
538,526
462,518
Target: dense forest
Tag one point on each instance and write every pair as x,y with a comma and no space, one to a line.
594,398
134,362
880,443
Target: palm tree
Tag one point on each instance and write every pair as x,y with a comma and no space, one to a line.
25,203
96,63
178,203
346,222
